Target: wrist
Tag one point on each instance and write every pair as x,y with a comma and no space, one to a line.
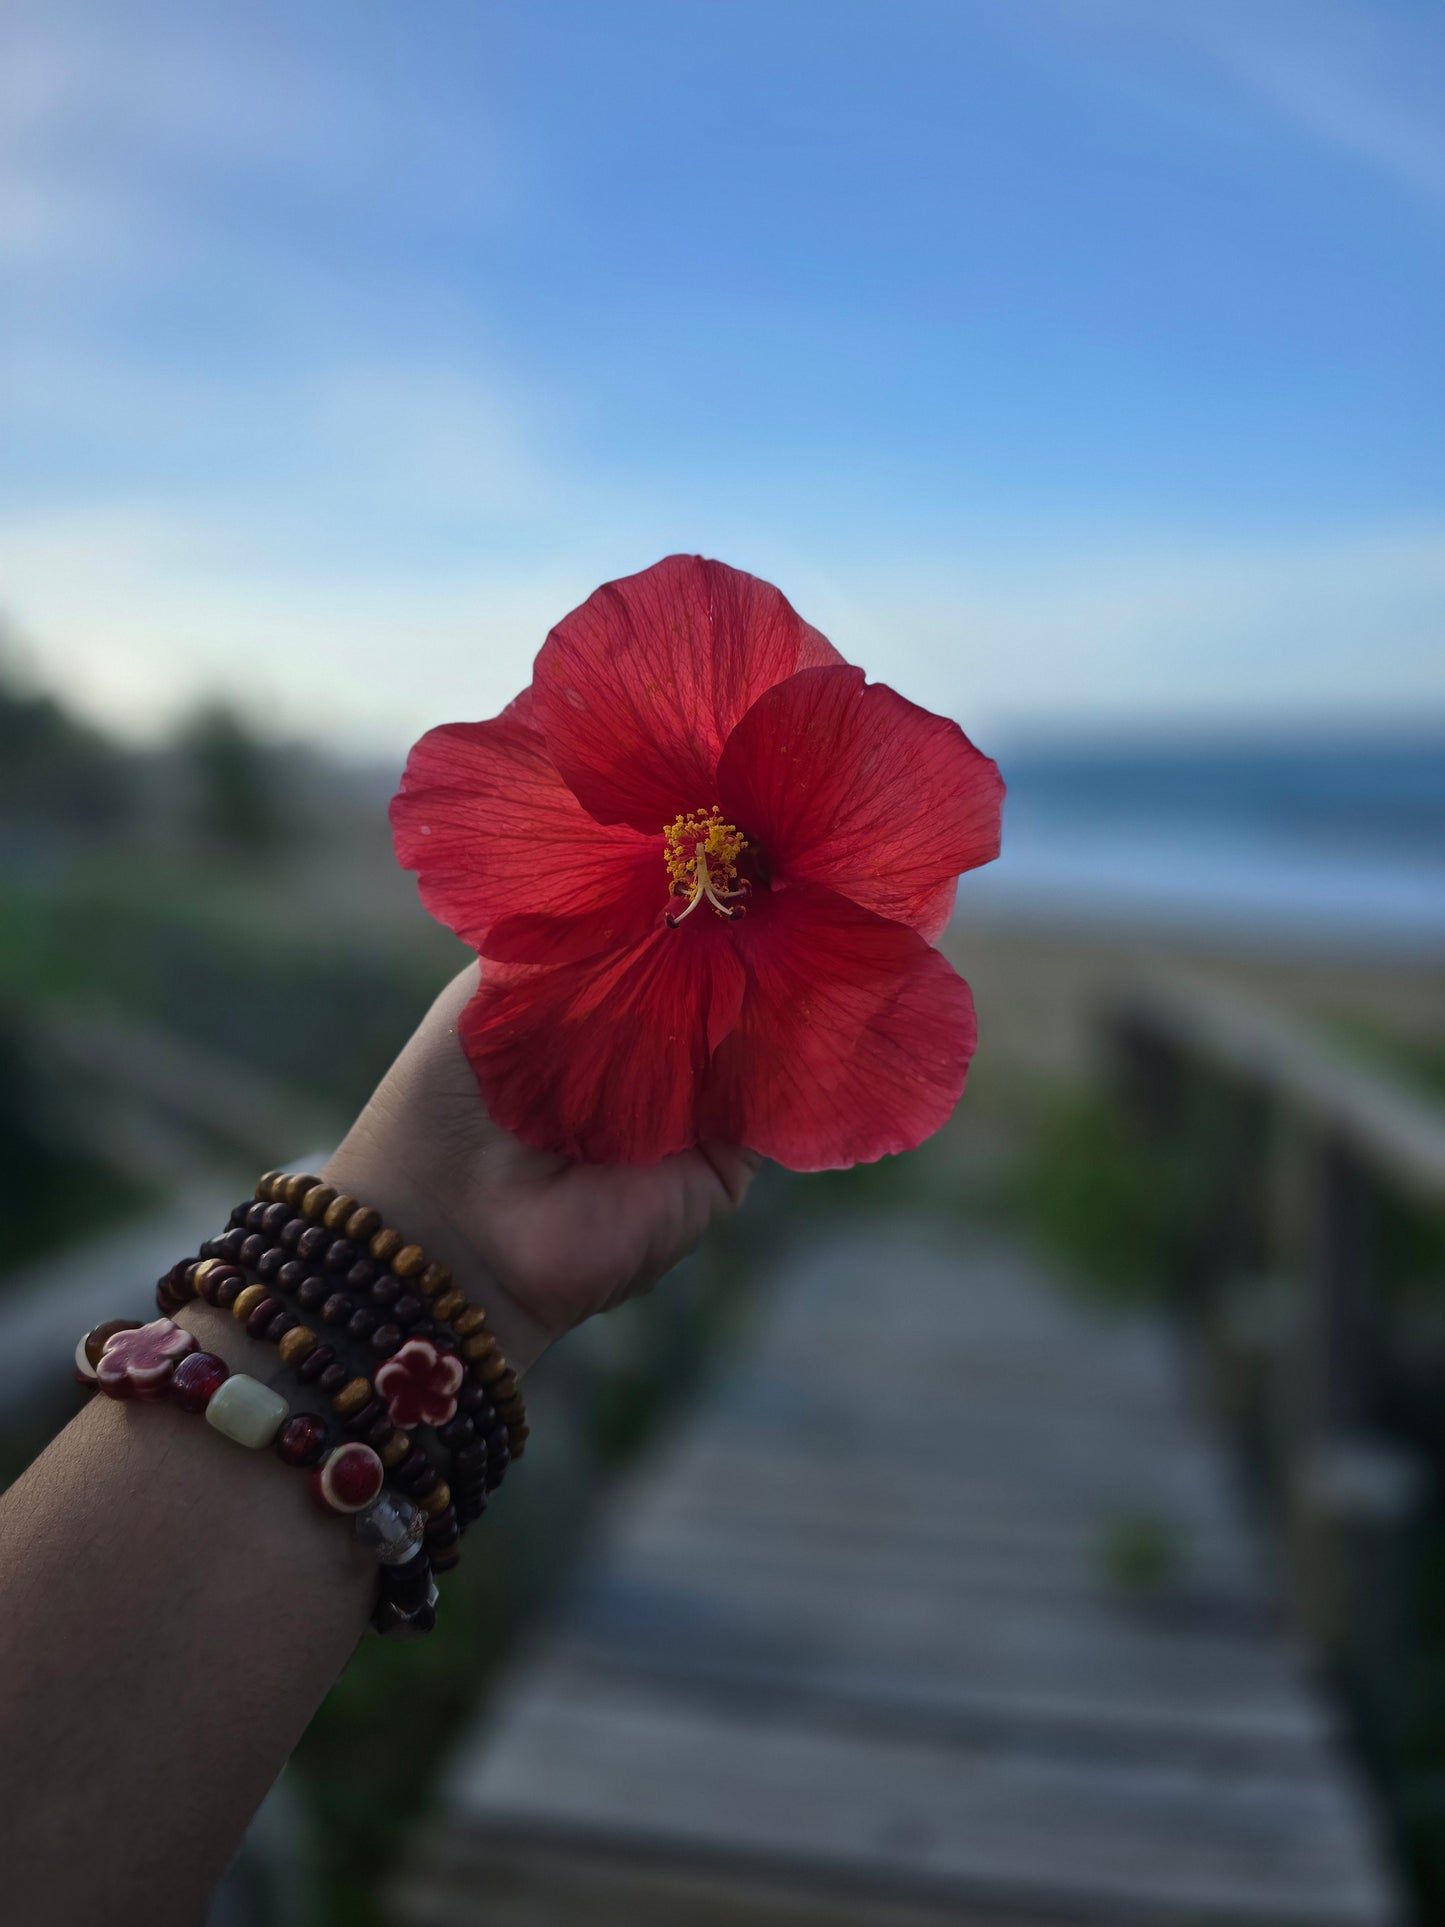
428,1203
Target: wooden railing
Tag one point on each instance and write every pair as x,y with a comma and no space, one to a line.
1310,1260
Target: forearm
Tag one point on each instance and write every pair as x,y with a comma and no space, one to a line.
174,1609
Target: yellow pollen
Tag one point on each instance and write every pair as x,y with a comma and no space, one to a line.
701,852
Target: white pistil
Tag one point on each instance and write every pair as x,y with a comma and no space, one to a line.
703,887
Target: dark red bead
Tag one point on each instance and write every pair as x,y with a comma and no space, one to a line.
446,1536
238,1212
230,1245
228,1291
291,1275
269,1263
439,1521
337,1309
418,1484
290,1232
274,1218
471,1398
195,1380
251,1248
362,1322
341,1255
312,1291
385,1340
408,1308
378,1433
261,1315
317,1360
333,1378
361,1277
302,1439
366,1415
313,1240
473,1455
255,1215
282,1323
386,1290
457,1431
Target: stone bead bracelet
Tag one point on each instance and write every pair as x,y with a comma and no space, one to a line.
370,1251
159,1360
367,1408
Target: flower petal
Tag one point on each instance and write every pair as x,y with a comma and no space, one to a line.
603,1060
508,858
854,1039
846,783
638,690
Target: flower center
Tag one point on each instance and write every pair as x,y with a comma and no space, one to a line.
701,852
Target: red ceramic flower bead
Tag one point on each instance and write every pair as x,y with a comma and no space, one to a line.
139,1363
420,1384
302,1439
707,863
197,1379
350,1479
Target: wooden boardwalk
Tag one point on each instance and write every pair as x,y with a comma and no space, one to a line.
851,1651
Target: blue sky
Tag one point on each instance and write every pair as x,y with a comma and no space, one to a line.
1071,362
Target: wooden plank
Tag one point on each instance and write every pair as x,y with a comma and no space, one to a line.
598,1759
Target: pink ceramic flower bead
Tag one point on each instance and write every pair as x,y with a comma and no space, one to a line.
139,1363
420,1384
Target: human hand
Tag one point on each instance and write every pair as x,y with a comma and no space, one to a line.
540,1242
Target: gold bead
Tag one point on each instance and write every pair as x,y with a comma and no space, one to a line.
482,1346
317,1199
491,1369
293,1189
504,1388
469,1321
362,1224
385,1244
338,1211
247,1301
352,1396
266,1187
395,1449
447,1306
298,1343
407,1262
434,1279
437,1501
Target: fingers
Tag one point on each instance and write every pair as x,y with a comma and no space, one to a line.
734,1166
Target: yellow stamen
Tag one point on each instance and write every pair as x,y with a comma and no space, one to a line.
701,852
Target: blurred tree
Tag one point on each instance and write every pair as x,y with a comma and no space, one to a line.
232,782
54,771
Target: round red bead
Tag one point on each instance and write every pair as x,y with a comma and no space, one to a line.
302,1439
350,1479
196,1380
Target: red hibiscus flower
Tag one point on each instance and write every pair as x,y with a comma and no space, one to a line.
705,861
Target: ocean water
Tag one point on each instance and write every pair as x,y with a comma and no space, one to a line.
1282,843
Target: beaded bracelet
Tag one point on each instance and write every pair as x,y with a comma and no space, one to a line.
418,1385
128,1361
350,1225
352,1398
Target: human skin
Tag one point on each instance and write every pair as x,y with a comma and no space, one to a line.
173,1610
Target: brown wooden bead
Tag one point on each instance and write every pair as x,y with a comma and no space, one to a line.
437,1500
316,1200
364,1223
469,1321
385,1245
490,1369
338,1211
505,1388
266,1187
294,1189
245,1302
433,1279
393,1453
352,1396
407,1262
445,1557
483,1346
296,1345
446,1306
203,1271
